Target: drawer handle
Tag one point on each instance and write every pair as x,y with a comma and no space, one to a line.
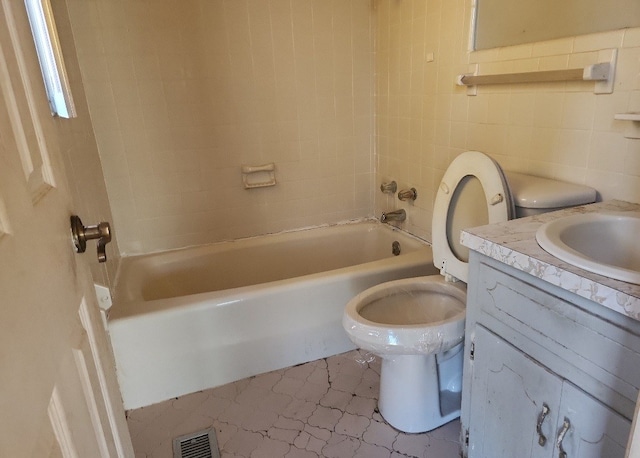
542,439
565,427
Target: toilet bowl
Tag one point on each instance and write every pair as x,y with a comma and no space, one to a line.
394,314
408,322
416,325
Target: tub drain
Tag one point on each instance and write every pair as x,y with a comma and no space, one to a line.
202,444
395,248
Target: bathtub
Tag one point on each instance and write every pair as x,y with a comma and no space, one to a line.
200,317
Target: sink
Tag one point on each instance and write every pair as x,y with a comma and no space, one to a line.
604,243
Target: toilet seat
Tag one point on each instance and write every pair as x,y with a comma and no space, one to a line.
472,182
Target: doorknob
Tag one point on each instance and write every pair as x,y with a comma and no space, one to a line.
81,233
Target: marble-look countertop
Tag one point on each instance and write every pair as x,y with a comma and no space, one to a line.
513,243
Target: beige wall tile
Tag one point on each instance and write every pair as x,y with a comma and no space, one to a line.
183,93
558,130
598,41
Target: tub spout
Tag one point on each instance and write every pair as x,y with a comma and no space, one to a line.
398,215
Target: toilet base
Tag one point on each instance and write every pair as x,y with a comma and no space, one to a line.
410,393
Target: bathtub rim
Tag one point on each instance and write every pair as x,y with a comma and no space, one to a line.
122,307
351,222
123,311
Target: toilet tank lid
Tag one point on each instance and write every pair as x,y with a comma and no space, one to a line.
535,192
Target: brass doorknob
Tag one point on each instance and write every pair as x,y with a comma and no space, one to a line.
81,233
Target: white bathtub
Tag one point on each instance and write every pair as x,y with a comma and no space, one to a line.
201,317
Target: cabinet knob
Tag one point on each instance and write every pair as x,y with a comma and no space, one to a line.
542,439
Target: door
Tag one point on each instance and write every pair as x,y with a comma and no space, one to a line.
58,394
509,394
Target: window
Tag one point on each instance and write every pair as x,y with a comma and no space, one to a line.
45,36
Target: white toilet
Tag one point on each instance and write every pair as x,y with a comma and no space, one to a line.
416,325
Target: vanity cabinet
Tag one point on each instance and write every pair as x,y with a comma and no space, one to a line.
547,373
524,408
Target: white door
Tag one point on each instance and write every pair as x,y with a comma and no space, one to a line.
58,394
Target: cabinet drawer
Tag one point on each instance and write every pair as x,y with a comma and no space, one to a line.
601,357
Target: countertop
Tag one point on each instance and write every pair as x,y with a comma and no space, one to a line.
513,243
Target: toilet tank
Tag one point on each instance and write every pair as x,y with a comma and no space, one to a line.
534,195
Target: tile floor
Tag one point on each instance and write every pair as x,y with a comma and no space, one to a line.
325,408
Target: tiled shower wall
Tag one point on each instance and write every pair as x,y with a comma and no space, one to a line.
557,130
183,92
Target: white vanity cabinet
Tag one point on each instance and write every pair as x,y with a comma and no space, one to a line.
547,373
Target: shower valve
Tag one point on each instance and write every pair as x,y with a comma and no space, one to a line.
389,188
408,194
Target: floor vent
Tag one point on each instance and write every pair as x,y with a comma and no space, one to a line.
202,444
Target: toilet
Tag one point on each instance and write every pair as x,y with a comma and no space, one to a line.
416,325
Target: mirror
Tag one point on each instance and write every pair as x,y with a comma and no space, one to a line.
512,22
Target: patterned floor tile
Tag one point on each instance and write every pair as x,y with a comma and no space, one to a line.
325,408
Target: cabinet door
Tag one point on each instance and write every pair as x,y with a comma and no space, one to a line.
507,396
595,430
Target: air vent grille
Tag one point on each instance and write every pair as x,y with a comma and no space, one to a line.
202,444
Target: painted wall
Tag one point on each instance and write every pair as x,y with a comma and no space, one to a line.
556,130
182,93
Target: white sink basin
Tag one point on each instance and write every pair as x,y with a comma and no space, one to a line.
604,243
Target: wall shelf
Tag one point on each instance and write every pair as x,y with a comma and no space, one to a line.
633,129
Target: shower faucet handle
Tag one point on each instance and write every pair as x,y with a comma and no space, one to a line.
408,194
81,233
389,188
